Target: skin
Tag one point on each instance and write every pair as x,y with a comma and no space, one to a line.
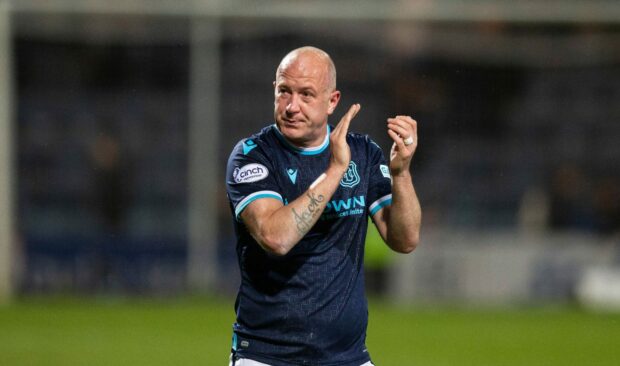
305,96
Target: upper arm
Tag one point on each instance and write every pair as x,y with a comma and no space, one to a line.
250,177
255,214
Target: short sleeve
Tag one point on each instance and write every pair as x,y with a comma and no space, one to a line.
380,181
249,176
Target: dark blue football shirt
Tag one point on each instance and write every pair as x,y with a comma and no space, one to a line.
307,307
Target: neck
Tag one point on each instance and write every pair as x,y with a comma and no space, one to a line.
307,147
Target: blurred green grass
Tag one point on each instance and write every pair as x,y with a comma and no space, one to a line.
197,331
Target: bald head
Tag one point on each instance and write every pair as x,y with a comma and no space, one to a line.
308,55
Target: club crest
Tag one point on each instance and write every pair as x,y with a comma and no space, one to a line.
351,177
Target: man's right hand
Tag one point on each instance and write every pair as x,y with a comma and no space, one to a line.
341,153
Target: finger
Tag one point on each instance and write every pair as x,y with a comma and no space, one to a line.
403,132
345,121
405,121
397,140
414,125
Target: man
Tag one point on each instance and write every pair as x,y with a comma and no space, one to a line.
300,192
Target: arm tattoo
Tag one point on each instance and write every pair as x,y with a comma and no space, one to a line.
304,219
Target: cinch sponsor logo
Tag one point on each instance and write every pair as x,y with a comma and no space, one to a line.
250,173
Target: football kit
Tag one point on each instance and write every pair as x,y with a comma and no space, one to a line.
307,307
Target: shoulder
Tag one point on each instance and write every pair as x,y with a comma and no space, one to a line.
364,141
255,144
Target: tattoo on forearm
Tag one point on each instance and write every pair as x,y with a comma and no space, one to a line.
304,218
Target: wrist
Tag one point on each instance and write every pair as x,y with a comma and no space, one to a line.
337,168
402,175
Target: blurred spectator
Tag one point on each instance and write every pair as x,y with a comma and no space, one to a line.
111,182
607,206
570,206
533,214
111,203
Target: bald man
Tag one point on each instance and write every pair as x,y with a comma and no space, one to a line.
300,191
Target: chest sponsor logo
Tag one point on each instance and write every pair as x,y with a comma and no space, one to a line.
250,173
345,207
351,177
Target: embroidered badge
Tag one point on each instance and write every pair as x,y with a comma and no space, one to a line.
250,173
351,177
385,171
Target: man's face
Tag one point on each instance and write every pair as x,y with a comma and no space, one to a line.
303,100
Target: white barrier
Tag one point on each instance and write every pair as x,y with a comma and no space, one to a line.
599,288
498,268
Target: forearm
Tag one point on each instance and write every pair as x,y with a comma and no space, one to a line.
403,223
284,227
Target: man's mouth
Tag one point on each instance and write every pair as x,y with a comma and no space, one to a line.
291,122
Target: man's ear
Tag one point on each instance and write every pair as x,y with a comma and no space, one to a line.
334,98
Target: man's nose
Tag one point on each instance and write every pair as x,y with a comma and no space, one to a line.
293,104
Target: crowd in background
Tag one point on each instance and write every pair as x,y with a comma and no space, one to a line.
102,146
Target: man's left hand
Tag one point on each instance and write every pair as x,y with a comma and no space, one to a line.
404,132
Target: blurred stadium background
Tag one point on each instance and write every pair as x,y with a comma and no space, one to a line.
117,118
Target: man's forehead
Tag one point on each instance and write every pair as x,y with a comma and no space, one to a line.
302,72
286,76
301,83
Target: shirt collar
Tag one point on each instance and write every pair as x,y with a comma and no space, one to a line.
315,150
